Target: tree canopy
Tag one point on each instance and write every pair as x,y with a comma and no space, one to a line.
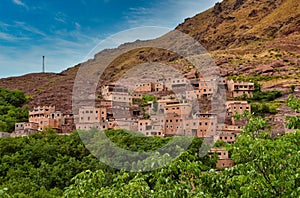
12,109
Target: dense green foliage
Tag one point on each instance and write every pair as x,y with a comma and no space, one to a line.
42,165
135,141
265,167
39,166
294,104
12,109
265,96
263,108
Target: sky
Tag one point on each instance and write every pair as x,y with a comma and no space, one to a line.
65,31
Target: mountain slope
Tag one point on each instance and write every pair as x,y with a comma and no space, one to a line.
235,22
245,37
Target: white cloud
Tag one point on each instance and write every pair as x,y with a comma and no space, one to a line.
168,13
10,37
29,28
60,17
19,3
77,26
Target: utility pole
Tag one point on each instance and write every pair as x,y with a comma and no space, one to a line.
43,64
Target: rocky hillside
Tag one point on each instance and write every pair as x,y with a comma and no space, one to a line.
233,23
257,38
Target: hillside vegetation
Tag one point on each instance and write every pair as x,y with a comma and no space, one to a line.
12,109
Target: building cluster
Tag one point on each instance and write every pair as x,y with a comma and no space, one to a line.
171,113
45,117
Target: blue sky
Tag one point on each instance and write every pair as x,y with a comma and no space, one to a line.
66,31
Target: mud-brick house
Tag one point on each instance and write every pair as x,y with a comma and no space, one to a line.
208,86
239,89
144,87
206,124
175,117
46,117
91,117
224,160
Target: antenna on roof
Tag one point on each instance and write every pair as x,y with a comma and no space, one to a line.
43,64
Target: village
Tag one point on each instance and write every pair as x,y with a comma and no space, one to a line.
165,107
173,106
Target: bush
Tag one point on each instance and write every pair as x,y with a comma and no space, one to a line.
265,96
263,108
